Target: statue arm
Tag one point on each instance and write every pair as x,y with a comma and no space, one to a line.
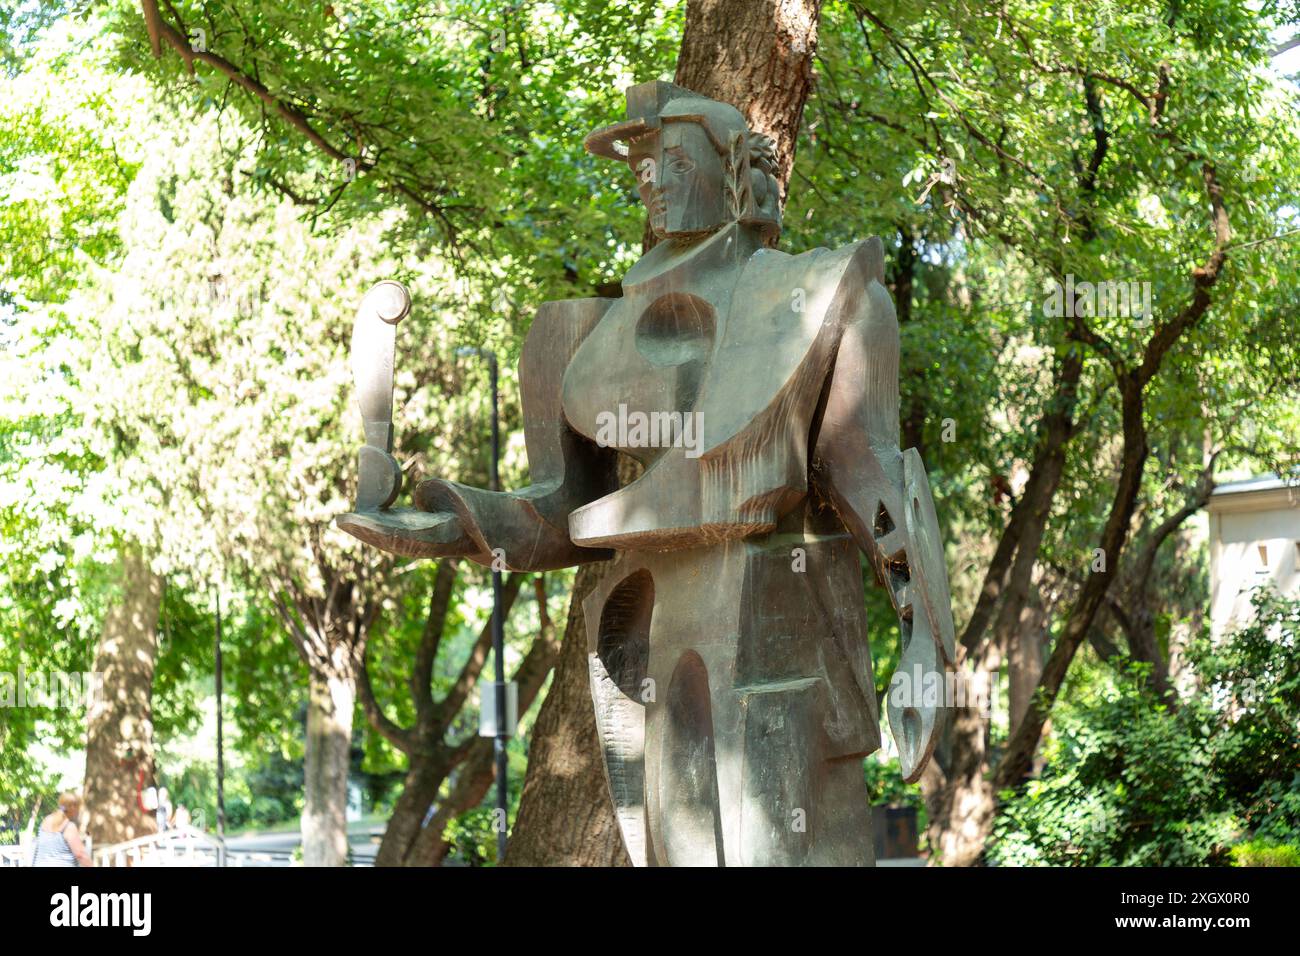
882,496
527,529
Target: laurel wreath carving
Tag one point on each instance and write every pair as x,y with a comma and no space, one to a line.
737,184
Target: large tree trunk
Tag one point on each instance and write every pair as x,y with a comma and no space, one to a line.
963,810
758,57
478,771
328,632
119,721
565,814
330,706
968,806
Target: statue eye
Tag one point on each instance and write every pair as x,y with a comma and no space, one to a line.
681,166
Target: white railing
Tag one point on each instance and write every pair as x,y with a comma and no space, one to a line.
183,846
256,858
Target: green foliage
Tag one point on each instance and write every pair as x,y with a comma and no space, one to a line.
395,639
885,787
265,683
472,836
1133,781
467,115
179,259
1010,145
266,793
62,162
472,839
1260,853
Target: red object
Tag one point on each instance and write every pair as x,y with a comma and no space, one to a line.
139,793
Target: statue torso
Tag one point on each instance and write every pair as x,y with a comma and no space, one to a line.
650,351
740,337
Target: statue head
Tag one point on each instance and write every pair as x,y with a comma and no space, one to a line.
697,163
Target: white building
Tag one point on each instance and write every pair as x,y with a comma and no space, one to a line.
1254,540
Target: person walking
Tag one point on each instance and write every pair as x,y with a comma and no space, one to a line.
58,841
164,812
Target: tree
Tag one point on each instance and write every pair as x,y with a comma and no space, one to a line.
214,389
63,531
119,727
415,835
432,757
1102,152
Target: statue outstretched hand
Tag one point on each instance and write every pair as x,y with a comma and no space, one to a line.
405,531
523,530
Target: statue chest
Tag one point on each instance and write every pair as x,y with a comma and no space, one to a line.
634,382
710,377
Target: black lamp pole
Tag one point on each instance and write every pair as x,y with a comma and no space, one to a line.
221,757
498,624
498,636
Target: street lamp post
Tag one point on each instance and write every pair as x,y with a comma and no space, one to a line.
221,756
502,735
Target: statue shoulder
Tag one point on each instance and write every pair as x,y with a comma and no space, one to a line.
579,312
842,290
848,270
854,277
558,328
865,260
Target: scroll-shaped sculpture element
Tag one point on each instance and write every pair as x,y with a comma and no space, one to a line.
373,343
727,643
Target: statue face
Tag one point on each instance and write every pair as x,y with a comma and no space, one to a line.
680,178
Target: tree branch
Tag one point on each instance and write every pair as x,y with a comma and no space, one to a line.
447,708
398,736
160,30
475,753
430,639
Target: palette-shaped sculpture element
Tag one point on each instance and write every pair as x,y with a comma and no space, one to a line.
730,669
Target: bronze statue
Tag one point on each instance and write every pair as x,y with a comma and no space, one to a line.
730,669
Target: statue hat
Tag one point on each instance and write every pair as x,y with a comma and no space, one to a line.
651,104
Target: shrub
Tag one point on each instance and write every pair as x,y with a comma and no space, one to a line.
1259,853
1131,780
